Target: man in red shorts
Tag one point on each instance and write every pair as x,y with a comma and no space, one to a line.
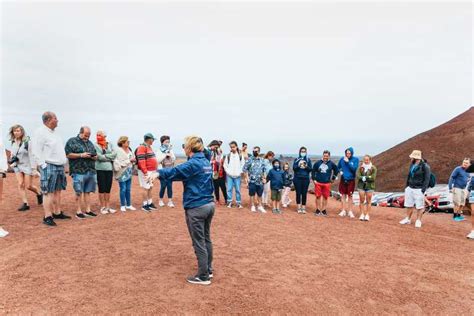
348,167
324,173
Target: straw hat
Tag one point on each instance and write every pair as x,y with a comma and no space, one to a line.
416,154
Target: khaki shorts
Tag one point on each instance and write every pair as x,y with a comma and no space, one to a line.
142,181
459,196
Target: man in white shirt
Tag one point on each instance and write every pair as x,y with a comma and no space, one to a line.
49,158
233,166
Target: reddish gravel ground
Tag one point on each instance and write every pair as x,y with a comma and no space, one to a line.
136,263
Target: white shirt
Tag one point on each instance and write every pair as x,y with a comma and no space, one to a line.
47,147
233,164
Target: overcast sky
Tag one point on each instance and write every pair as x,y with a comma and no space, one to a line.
280,75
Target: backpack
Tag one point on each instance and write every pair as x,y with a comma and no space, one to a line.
432,182
228,157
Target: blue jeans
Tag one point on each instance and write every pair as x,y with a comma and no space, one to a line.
233,183
125,192
168,186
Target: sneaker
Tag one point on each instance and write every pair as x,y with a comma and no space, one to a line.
146,208
367,218
274,211
111,210
161,203
342,213
253,209
405,221
239,206
123,209
39,199
285,205
229,205
362,217
418,223
211,275
80,216
130,208
4,233
279,211
197,280
471,235
460,218
324,213
171,204
317,213
24,207
152,206
104,211
350,214
90,214
49,221
261,209
61,215
303,211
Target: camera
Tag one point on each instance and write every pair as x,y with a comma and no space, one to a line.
13,160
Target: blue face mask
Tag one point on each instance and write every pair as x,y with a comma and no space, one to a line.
303,155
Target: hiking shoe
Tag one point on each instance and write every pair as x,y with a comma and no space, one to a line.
146,208
61,215
39,199
418,223
161,203
80,216
471,235
324,213
152,206
253,209
170,204
342,213
49,221
90,214
317,213
197,280
24,207
405,221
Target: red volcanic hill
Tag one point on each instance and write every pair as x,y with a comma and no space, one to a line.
444,147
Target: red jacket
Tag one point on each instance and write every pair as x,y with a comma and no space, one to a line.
146,159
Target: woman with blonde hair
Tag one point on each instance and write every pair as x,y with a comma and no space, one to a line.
365,175
123,172
104,166
198,202
20,163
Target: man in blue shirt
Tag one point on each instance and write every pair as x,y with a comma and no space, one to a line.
458,185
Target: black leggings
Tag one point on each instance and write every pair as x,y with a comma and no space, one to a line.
301,187
104,181
220,183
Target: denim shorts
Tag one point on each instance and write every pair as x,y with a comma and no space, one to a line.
84,183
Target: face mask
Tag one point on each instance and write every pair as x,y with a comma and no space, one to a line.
255,153
277,166
303,155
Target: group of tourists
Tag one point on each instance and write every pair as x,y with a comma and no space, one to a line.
208,174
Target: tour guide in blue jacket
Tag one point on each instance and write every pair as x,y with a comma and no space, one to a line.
198,201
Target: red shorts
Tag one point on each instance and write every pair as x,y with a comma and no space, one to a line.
347,188
323,189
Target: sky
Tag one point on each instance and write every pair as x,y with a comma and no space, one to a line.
326,75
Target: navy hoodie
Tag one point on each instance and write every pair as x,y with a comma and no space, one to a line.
348,169
299,172
324,172
276,178
196,174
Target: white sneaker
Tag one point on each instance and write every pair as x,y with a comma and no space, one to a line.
362,217
239,206
405,221
123,209
170,204
470,236
253,209
104,211
418,223
285,206
111,210
303,211
350,214
3,233
261,209
131,208
161,203
343,213
367,218
229,205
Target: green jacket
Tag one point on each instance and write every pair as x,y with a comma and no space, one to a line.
370,176
105,158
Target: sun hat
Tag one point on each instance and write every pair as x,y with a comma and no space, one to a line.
416,154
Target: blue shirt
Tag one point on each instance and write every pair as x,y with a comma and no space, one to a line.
196,174
459,178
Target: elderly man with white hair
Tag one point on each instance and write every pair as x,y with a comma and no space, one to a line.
49,158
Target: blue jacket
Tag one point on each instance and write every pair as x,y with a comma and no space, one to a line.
349,169
276,178
459,178
324,172
302,172
287,179
196,174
